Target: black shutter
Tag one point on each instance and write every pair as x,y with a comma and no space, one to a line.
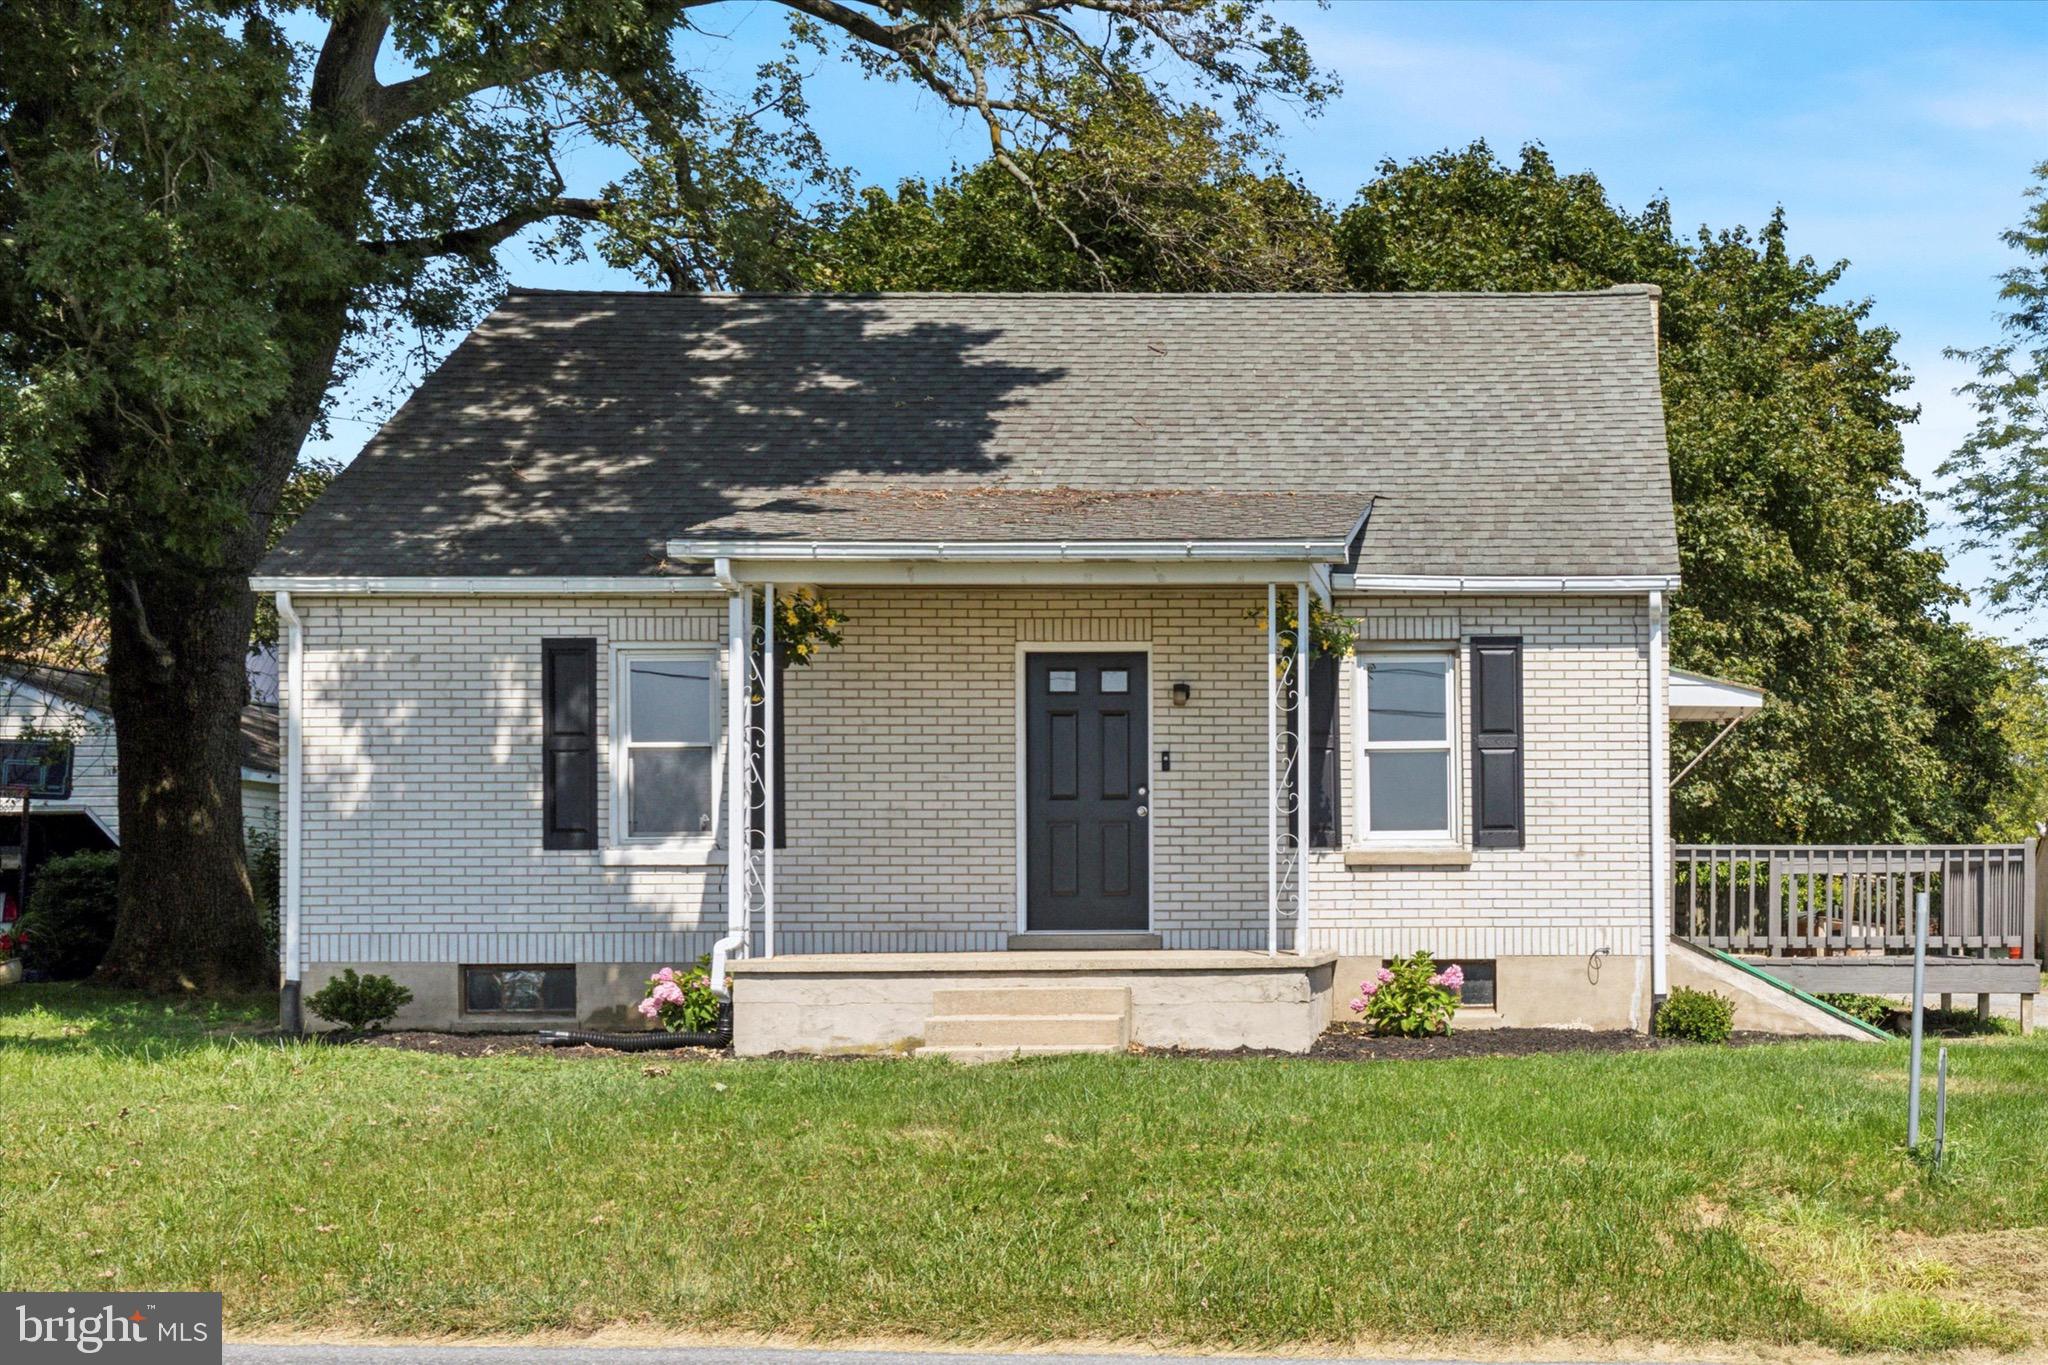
1325,768
757,736
1497,742
568,760
1325,822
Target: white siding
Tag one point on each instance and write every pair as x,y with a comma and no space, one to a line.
423,782
1581,881
27,710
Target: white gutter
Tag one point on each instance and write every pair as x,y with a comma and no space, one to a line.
1621,585
1659,739
294,806
508,585
1042,551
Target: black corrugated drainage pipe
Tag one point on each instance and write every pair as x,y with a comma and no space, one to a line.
649,1040
635,1042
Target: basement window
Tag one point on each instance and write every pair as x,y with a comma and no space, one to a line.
519,990
1479,992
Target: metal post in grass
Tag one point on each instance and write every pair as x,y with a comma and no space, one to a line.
1919,1023
1940,1105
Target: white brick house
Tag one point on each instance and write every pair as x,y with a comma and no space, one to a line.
1058,715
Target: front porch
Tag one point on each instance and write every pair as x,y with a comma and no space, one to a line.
976,1005
1103,764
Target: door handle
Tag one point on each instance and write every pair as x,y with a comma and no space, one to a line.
1142,812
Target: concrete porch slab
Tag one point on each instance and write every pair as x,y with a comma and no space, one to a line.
883,1002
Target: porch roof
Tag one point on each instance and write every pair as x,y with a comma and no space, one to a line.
1701,696
1032,523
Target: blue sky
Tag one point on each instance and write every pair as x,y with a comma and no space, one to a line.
1898,136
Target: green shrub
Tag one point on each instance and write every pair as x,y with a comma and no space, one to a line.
359,1003
266,880
1409,996
1965,1024
70,918
1698,1016
1870,1009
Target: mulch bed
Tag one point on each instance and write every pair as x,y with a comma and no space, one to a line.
520,1045
1341,1043
1350,1043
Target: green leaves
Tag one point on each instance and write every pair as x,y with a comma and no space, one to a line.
1799,529
2001,468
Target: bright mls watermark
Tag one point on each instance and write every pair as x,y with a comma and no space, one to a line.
166,1329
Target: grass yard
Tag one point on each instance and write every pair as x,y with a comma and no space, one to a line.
1756,1196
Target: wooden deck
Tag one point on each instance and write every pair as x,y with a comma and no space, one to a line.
1839,917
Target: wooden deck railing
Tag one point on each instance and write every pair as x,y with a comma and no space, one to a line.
1821,900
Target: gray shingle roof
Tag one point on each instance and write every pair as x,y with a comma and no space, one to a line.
576,433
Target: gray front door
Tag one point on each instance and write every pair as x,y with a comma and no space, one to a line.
1086,792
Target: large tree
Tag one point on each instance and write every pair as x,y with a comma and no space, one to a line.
1800,532
1138,197
2001,468
206,224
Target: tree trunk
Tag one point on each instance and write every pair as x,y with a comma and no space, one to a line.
177,674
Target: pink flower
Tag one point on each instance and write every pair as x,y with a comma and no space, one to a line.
1370,988
1358,1007
1385,976
1453,976
665,974
650,1007
668,993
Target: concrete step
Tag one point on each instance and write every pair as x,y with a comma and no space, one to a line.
1048,941
1032,1001
1110,1032
991,1053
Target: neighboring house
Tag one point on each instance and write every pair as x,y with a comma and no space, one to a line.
1056,720
57,738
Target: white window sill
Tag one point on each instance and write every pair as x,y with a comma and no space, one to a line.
661,855
1420,855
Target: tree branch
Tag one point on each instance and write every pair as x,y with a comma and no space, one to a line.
470,241
345,76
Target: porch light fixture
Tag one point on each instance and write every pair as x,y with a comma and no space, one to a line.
1182,694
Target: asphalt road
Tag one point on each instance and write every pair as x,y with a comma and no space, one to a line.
607,1355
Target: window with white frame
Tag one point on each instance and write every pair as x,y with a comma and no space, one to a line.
1407,748
665,770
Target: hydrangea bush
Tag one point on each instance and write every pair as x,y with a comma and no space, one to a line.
1410,996
682,1002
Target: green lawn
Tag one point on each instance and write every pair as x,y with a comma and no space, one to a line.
1695,1195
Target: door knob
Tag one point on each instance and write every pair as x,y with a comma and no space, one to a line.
1142,812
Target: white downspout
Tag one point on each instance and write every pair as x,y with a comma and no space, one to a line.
289,1016
1660,811
738,630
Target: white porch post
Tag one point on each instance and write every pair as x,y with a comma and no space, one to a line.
1301,767
1272,770
1660,808
769,739
739,636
